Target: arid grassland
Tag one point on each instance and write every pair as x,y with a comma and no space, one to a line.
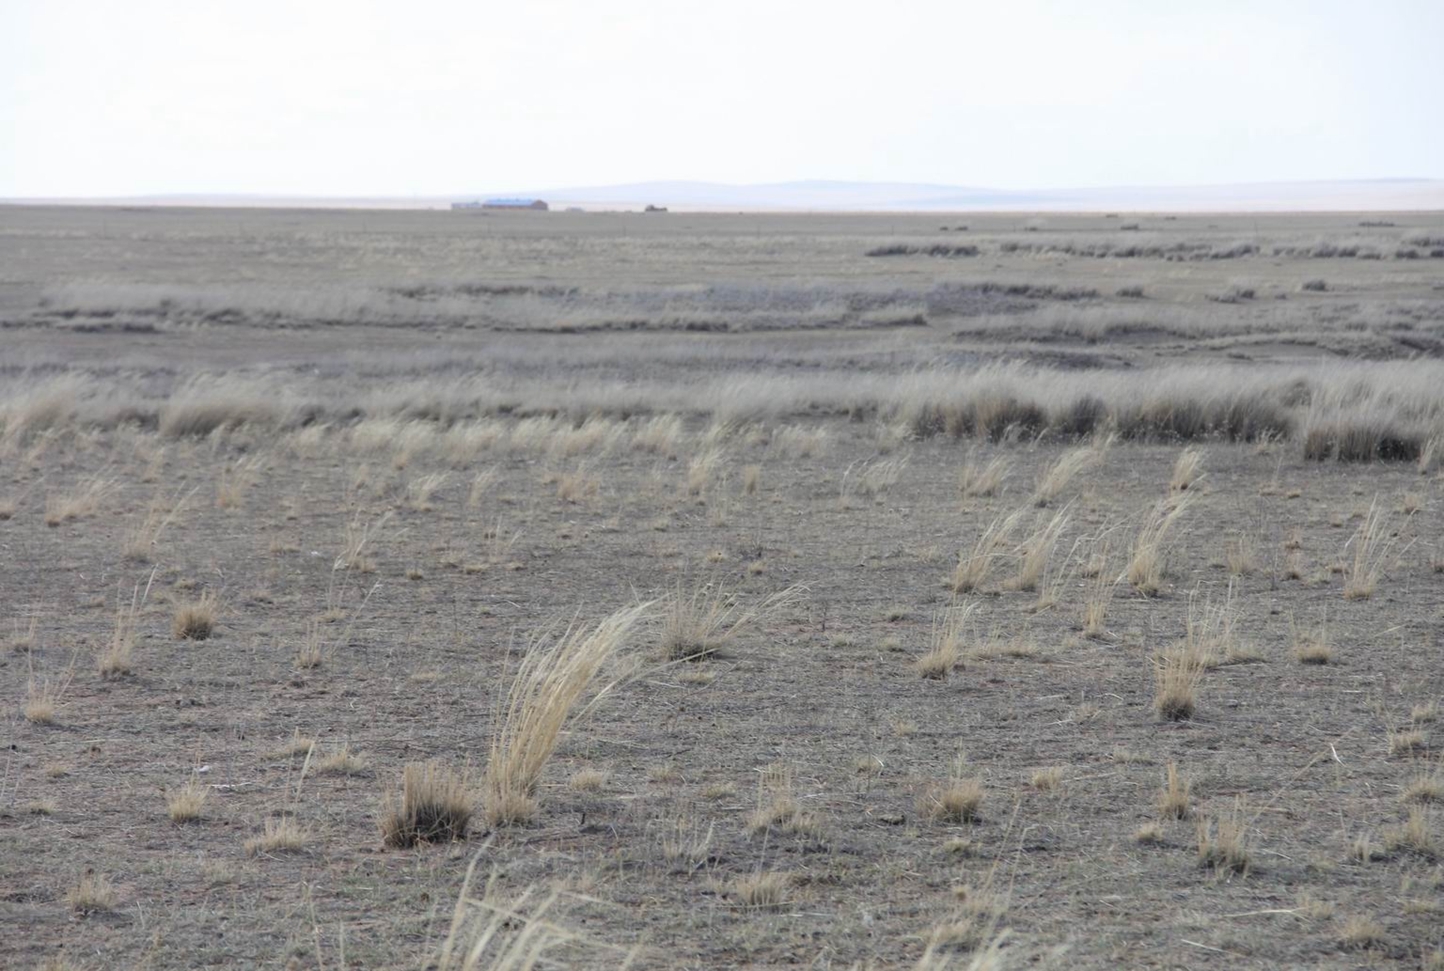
434,590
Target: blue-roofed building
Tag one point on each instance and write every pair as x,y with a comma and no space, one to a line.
537,204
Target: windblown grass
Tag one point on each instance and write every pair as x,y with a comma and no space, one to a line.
555,675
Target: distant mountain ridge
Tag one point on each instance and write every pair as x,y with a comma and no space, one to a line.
820,195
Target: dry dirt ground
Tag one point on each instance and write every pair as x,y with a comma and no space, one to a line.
647,825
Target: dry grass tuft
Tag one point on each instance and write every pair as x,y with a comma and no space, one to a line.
341,761
971,926
1148,834
1210,637
987,480
236,480
578,485
421,490
959,800
279,835
870,479
83,500
974,566
93,894
1240,556
800,443
1360,933
699,623
1064,470
1037,548
552,679
1311,646
1148,565
1177,674
777,807
589,780
1223,842
436,806
1099,594
1047,780
196,620
141,540
1372,550
1187,470
1427,787
700,469
184,805
1416,835
1173,798
945,647
687,843
114,658
761,890
508,931
42,698
1407,742
661,435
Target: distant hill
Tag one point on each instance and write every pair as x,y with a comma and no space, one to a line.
828,196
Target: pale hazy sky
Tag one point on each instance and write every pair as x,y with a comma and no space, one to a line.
353,97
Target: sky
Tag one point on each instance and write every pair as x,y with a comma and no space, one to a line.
354,98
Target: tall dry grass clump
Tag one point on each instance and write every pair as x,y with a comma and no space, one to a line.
554,677
870,479
436,805
1064,470
696,624
95,893
42,698
1098,592
83,500
981,481
975,565
1177,674
236,480
1210,635
185,805
945,649
1373,547
957,800
1311,645
1173,798
1223,841
196,621
701,468
505,931
141,540
1187,470
1037,548
113,659
661,435
1149,562
208,404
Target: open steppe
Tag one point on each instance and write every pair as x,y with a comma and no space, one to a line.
984,591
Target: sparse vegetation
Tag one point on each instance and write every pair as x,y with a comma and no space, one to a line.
945,646
195,621
278,835
421,437
554,676
436,805
185,804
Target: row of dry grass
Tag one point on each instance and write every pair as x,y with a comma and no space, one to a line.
1350,412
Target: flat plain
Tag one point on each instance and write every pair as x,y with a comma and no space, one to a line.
878,591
